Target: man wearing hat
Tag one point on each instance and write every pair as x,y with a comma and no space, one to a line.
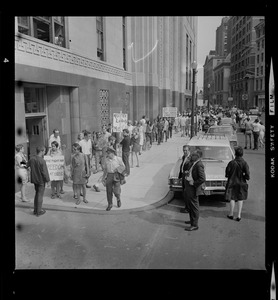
113,166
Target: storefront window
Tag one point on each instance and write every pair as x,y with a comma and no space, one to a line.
34,100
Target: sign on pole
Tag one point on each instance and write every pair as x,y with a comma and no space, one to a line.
244,96
169,112
55,166
119,122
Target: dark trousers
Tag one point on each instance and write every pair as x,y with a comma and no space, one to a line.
192,203
125,157
159,136
112,186
185,199
39,188
248,137
256,139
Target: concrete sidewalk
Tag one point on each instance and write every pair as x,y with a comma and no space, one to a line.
146,186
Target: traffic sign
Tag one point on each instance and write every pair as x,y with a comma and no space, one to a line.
244,97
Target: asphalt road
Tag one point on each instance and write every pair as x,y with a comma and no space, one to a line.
150,239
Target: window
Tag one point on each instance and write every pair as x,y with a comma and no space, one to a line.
258,45
124,43
257,84
48,29
23,25
258,58
258,74
262,57
262,43
262,70
33,100
100,48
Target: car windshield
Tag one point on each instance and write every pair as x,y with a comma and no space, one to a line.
214,152
226,129
226,121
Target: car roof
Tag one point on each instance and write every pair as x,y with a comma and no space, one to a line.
209,140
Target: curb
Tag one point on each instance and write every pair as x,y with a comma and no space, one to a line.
168,197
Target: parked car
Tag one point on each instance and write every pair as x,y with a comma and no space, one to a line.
217,153
242,124
253,111
227,130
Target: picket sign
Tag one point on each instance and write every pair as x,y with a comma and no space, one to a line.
55,166
119,122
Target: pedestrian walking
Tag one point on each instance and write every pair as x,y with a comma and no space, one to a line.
248,132
170,128
261,135
184,167
141,135
112,144
55,184
149,129
193,184
183,124
237,172
114,168
21,170
39,176
160,126
86,146
256,132
79,172
126,142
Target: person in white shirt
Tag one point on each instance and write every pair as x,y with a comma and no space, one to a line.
256,132
130,127
86,146
54,137
183,124
261,135
113,166
165,129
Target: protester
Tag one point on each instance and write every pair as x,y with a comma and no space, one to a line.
113,167
141,135
130,127
165,130
184,167
148,135
112,144
160,126
98,145
55,136
261,135
135,143
86,146
39,176
256,132
194,182
21,170
79,172
237,172
126,150
170,128
55,184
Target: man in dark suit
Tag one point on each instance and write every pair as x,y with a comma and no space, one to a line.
39,176
193,181
185,166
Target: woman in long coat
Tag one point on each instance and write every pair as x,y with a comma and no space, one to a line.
237,172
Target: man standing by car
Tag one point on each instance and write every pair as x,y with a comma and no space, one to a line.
193,183
184,167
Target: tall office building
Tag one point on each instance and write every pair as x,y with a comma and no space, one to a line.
243,60
74,73
259,92
223,38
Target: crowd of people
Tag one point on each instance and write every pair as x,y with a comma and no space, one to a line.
113,154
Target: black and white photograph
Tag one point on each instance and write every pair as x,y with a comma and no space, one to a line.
144,143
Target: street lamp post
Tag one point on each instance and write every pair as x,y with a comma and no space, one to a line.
194,67
208,96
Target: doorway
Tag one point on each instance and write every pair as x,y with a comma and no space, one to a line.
35,131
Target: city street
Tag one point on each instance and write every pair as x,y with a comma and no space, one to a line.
149,239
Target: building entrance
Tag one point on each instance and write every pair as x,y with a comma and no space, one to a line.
35,131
